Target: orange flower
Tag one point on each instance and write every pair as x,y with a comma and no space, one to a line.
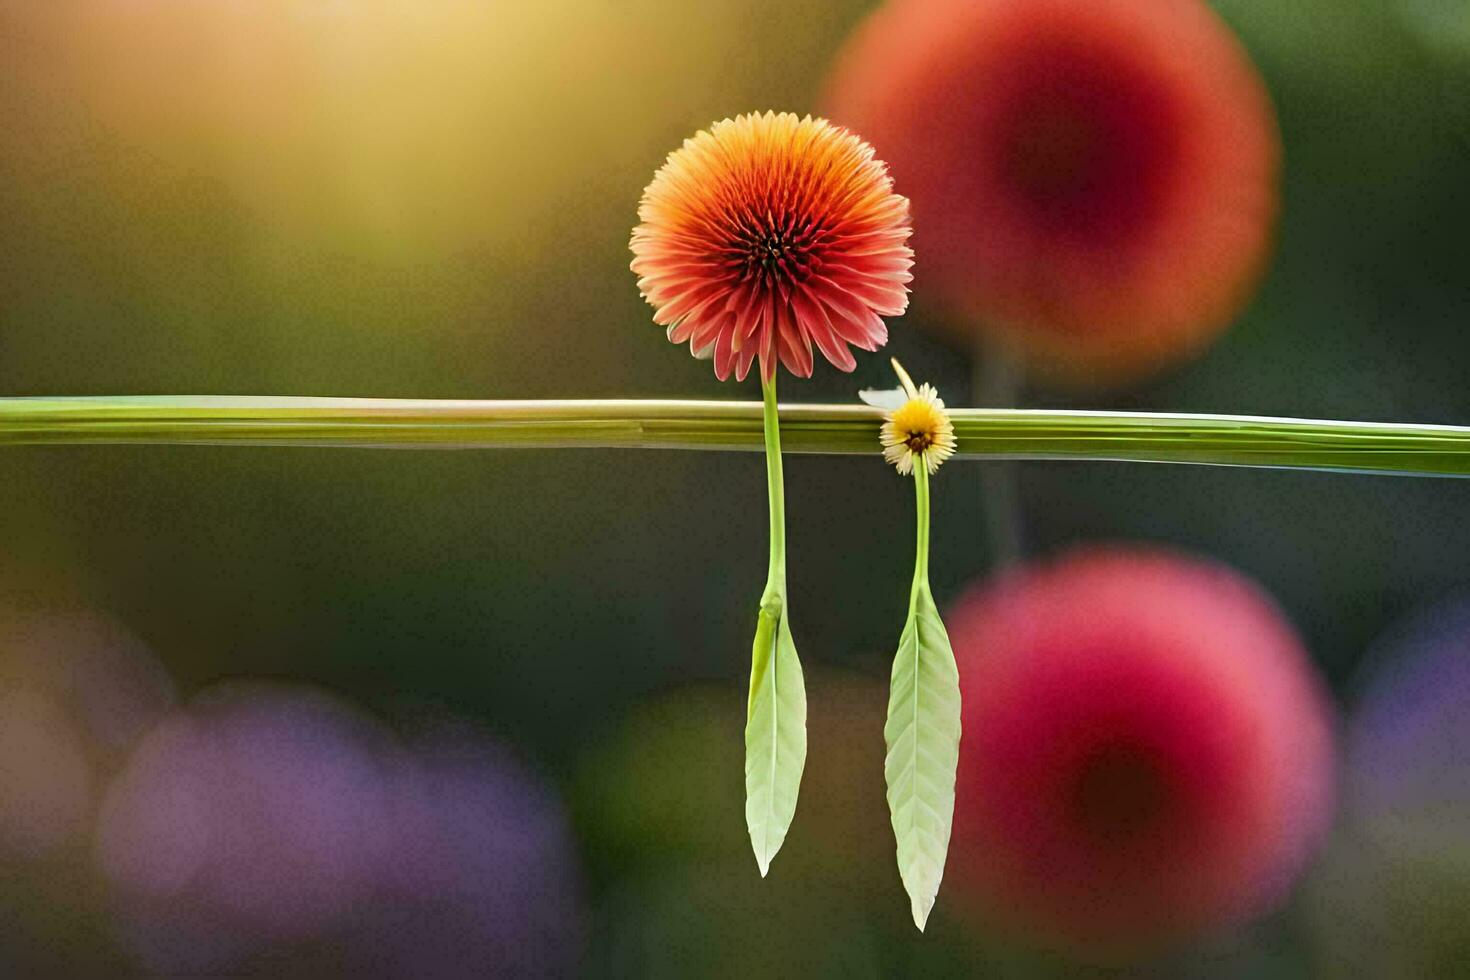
1094,181
767,234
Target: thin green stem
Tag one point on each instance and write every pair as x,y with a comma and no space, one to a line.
775,486
921,544
1231,440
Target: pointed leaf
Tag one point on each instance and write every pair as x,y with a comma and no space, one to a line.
923,739
775,734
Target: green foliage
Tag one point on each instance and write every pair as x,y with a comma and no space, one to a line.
775,733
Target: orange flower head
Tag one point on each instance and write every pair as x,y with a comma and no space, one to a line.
768,234
1094,182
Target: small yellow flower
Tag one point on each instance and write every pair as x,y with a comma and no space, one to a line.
918,428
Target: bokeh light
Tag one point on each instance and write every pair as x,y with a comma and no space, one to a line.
1442,25
711,919
44,772
484,873
77,688
268,828
1093,181
252,820
1147,751
1390,895
683,752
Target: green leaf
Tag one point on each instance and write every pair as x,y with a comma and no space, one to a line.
923,738
775,733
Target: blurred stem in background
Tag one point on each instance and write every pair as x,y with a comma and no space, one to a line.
997,379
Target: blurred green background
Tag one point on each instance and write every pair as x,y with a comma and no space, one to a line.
434,200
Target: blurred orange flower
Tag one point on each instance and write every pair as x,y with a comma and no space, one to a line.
767,234
1094,181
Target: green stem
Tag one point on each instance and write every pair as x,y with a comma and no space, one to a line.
775,487
775,717
921,546
1230,440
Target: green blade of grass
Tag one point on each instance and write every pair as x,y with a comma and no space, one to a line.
1376,447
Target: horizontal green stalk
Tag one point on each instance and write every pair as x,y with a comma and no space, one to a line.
1440,450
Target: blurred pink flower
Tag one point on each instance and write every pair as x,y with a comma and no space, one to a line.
1148,751
1093,181
767,234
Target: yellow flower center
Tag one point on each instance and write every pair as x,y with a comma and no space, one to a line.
919,421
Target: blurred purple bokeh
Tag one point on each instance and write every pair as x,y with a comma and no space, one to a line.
1406,743
1389,897
76,689
273,829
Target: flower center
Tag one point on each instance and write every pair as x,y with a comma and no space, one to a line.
770,250
919,441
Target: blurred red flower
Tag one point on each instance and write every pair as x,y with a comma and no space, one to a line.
1147,754
1093,181
768,234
